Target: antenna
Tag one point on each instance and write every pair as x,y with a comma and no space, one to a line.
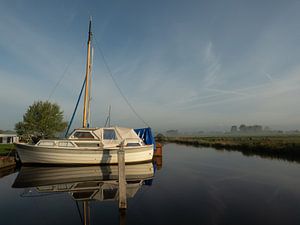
109,115
107,122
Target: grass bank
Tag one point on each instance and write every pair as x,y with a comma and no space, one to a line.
5,149
282,146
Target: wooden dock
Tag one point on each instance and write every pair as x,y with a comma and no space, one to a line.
122,178
7,161
7,166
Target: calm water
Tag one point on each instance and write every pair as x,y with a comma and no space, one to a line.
193,186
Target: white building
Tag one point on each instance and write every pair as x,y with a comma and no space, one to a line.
8,138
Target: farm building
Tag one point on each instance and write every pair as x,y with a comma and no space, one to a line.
8,138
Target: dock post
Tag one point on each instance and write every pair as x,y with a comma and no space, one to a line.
122,177
158,151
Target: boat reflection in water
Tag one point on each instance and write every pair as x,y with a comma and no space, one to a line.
84,183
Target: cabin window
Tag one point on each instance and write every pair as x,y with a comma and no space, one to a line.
83,195
133,144
109,193
109,134
46,143
82,134
87,144
133,181
65,144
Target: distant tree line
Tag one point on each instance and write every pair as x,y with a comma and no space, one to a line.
7,132
249,129
172,132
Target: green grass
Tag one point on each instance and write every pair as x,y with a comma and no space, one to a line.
269,142
5,149
280,146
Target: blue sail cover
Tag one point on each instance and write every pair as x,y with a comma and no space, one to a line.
146,135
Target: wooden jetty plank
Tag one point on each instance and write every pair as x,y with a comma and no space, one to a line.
7,161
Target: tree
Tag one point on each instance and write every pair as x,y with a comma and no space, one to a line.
243,128
160,137
41,120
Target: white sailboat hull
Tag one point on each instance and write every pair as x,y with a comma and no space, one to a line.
47,155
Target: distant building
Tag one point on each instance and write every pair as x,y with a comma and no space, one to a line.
234,129
243,128
251,129
8,138
256,128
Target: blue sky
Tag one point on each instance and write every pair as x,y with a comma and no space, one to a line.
187,65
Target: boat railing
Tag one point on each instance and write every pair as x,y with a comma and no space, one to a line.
56,143
63,144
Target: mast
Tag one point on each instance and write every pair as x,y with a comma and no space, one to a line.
90,90
86,103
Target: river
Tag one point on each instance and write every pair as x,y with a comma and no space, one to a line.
191,185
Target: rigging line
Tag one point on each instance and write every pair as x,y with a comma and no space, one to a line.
61,77
116,84
75,109
106,122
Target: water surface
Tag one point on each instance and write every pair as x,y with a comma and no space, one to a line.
192,186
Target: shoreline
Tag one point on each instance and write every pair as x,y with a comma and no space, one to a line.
279,147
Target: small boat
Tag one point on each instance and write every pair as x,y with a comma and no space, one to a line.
91,145
88,146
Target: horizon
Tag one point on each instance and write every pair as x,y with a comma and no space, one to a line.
190,65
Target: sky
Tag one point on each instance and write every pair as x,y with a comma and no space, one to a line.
186,65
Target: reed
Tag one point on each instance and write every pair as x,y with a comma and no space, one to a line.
281,147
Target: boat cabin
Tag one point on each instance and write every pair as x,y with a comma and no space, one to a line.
109,137
95,138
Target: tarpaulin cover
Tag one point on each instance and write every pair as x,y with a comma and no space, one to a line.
146,135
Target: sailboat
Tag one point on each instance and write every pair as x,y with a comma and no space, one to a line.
91,145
